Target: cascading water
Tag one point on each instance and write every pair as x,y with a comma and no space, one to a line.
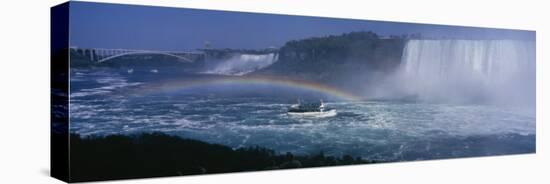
241,64
492,71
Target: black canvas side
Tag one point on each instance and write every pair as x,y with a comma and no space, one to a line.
59,81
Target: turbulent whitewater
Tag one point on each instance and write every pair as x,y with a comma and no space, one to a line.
495,71
112,101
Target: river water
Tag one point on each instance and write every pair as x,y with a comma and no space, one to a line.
106,102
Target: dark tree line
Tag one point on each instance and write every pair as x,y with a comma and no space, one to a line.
355,51
158,154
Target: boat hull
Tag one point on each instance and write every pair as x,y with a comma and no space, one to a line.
328,113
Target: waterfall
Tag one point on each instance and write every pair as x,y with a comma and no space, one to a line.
470,70
241,64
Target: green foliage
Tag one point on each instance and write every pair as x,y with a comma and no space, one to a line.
157,154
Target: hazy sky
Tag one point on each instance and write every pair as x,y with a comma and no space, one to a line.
97,25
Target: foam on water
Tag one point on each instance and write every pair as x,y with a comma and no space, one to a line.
104,83
383,130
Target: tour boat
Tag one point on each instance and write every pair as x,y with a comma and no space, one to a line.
312,109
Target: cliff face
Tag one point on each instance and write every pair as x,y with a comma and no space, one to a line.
351,57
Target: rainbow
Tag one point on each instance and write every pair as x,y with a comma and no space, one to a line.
271,81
